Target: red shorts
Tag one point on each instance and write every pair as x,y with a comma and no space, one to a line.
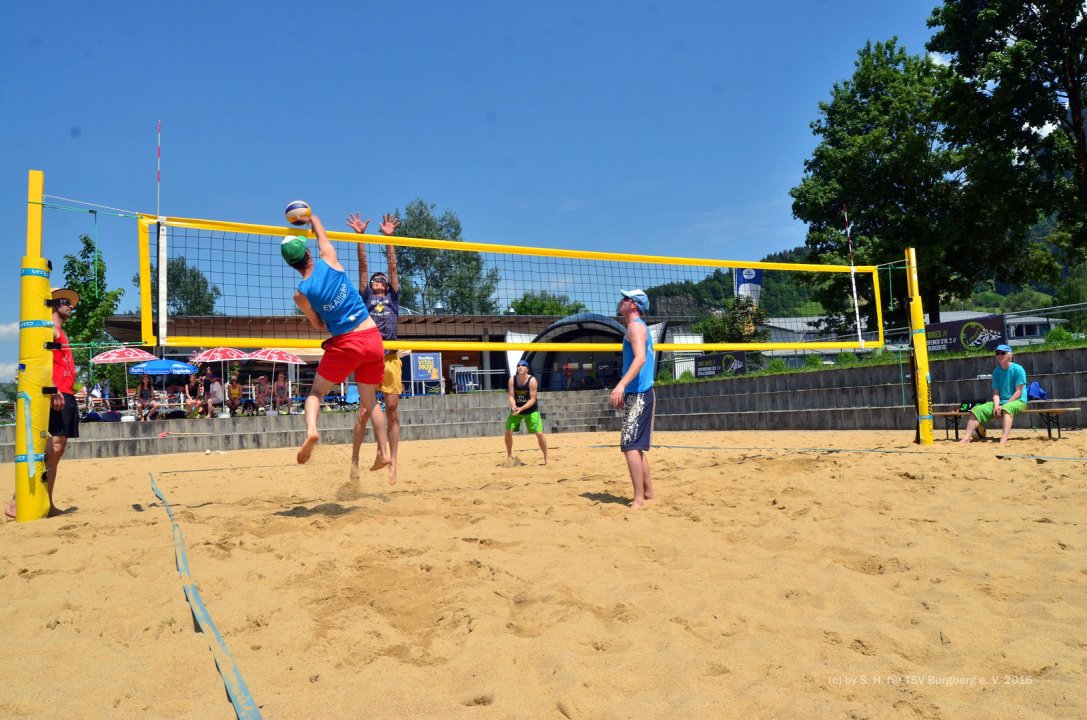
360,352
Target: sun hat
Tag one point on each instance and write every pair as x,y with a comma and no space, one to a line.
66,293
293,249
640,299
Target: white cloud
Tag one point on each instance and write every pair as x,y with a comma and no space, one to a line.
9,331
938,59
7,371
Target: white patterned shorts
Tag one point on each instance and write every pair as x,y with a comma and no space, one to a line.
637,421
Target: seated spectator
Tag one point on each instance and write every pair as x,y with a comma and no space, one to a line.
263,392
147,407
194,396
233,395
214,397
1009,397
281,394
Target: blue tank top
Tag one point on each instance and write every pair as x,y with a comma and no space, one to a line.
333,298
644,381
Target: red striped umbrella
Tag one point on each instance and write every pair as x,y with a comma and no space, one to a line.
276,355
122,355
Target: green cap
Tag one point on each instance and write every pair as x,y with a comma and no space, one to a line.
293,248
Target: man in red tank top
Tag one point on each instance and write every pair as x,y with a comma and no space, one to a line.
63,410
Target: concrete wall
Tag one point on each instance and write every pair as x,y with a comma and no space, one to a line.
856,398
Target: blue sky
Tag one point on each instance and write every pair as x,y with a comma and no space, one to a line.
649,127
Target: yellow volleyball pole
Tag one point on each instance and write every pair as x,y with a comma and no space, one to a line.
35,375
922,379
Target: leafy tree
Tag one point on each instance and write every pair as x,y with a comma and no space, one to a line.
189,292
545,303
740,322
883,155
455,278
691,299
1018,100
1027,299
86,274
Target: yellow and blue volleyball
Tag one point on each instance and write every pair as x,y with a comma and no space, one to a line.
298,212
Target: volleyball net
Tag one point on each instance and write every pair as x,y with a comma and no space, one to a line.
225,283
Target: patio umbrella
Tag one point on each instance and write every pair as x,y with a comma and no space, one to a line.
122,355
218,354
162,367
275,355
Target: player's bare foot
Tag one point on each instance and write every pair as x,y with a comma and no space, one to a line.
965,441
392,474
354,471
55,511
1003,441
307,448
637,504
381,461
9,510
650,495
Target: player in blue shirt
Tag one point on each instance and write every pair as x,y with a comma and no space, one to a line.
329,301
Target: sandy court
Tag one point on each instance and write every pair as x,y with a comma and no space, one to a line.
777,575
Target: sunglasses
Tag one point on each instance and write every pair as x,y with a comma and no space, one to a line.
1001,352
65,302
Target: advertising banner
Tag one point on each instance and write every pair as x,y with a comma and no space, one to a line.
426,366
707,366
985,332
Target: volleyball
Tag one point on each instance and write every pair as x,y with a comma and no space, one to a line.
298,212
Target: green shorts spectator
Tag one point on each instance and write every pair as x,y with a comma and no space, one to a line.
985,411
533,421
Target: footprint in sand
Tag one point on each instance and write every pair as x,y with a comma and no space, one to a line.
512,462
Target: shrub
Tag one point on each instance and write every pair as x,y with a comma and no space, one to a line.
1059,336
777,365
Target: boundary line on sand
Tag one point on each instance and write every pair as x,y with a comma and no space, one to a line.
244,705
1001,456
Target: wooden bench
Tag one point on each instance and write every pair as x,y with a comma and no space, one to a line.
1051,418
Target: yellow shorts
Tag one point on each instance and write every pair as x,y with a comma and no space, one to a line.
393,382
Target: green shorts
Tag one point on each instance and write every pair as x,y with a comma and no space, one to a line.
533,421
985,411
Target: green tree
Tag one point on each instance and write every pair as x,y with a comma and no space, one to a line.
1027,299
883,156
188,292
455,278
545,303
741,321
86,274
1018,100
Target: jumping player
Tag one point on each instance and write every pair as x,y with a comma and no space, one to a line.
382,298
329,300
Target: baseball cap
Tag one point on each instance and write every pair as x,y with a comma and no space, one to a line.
66,293
1003,348
640,299
522,362
293,249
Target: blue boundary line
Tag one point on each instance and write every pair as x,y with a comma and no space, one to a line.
245,707
850,450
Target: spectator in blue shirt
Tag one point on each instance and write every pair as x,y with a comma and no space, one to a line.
1009,396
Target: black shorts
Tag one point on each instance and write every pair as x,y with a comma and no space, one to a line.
65,423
